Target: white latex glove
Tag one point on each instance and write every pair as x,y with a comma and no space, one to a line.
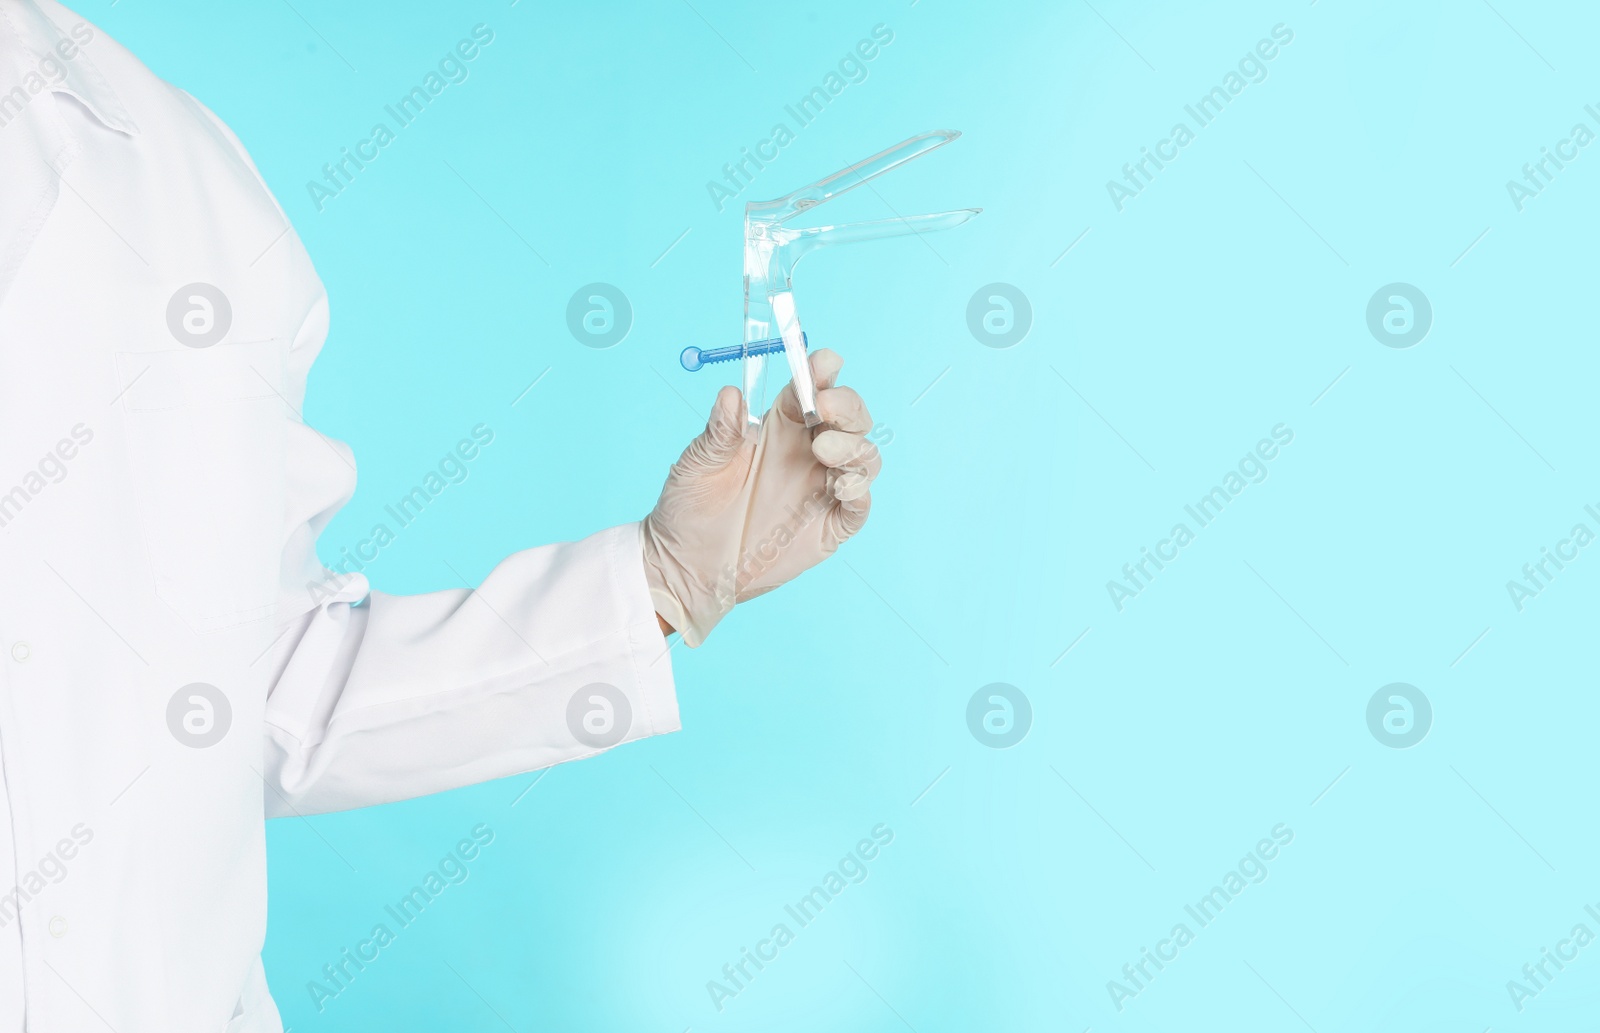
745,510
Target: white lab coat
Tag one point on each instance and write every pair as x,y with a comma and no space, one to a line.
177,548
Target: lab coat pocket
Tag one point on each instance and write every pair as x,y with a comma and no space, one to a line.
206,431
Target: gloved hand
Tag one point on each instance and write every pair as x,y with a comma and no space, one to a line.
744,510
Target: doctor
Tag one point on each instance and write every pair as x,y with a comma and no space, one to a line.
167,682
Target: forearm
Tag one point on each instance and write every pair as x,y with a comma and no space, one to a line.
407,695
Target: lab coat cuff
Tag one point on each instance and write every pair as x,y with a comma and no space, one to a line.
647,646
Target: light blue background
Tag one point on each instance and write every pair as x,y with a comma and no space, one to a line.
1228,697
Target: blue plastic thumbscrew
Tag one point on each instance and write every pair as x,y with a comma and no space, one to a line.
693,358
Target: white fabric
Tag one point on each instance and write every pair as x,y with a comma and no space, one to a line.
159,505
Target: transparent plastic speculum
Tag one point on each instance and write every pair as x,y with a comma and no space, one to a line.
772,248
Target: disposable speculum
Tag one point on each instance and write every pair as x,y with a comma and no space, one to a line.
772,249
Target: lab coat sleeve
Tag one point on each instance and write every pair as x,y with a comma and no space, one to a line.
373,697
379,697
407,695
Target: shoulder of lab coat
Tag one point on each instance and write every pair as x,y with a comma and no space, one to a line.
376,697
33,39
